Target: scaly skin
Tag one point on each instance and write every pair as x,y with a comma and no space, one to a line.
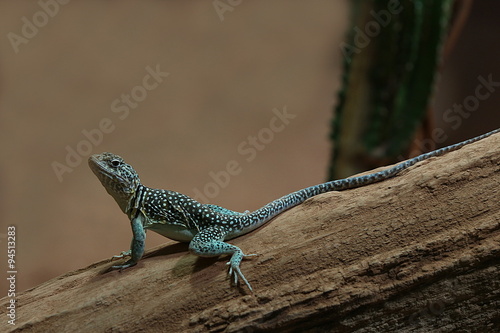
207,227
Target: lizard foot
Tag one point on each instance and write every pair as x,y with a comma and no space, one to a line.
128,264
235,271
123,254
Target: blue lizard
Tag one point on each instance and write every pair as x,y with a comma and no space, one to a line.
206,227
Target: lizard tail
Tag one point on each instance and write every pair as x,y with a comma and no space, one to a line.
276,207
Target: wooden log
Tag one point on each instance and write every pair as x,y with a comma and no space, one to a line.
419,252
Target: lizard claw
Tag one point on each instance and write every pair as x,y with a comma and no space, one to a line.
235,271
123,254
128,264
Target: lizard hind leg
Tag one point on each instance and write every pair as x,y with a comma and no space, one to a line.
209,243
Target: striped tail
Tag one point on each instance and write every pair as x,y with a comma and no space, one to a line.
264,214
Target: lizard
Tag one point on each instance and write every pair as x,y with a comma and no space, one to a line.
207,227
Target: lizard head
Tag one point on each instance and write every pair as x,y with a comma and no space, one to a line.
118,178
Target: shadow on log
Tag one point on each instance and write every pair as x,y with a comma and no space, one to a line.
419,252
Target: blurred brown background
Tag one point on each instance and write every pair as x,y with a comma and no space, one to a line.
227,72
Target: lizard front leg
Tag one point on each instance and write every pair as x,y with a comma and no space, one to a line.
137,245
209,243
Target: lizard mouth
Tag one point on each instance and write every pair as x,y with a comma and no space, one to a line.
97,166
100,169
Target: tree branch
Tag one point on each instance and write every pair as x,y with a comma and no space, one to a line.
418,252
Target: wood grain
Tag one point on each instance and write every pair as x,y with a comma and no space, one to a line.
419,252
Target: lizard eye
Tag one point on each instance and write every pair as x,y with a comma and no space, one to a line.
115,163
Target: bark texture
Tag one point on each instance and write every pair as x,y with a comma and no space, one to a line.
419,252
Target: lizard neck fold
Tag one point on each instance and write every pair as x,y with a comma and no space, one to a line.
135,202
